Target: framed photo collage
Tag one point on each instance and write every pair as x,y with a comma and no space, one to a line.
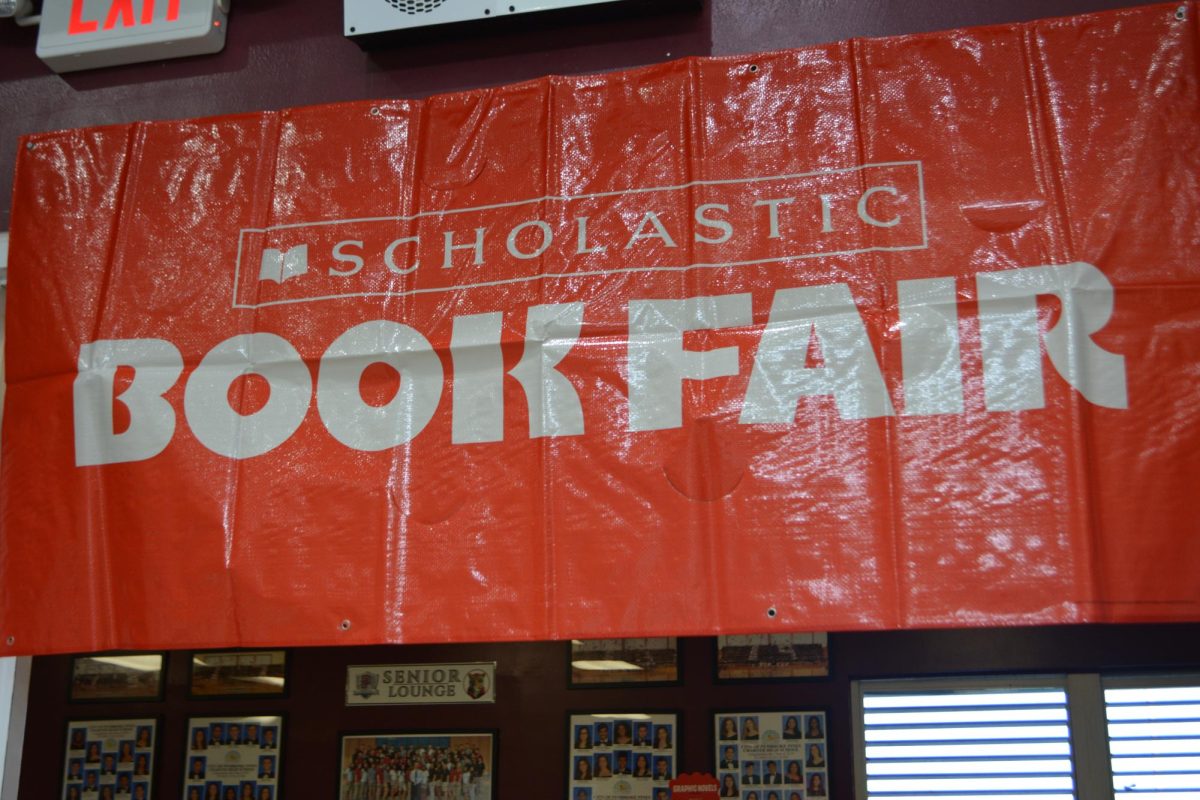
629,754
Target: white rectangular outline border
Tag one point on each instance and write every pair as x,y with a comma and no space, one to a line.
431,702
566,198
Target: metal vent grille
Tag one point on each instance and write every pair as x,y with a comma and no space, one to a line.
415,6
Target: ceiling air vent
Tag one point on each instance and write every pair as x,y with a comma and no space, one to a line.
415,6
363,17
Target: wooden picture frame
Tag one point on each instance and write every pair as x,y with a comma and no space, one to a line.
772,657
117,678
110,759
759,750
468,758
233,751
215,674
632,755
601,663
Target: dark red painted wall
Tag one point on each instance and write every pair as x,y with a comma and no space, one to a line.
534,699
282,53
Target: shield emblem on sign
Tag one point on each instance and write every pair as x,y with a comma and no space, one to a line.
366,685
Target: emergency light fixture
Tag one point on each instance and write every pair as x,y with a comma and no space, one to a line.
85,34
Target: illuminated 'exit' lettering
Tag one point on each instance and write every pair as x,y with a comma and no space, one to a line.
120,12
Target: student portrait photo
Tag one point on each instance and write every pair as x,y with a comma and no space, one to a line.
816,784
141,764
251,734
582,793
75,769
266,793
662,794
750,795
793,774
143,736
199,738
125,751
73,793
813,728
216,733
662,737
622,732
196,771
212,790
268,737
729,757
246,790
603,734
729,786
791,728
93,753
123,783
194,793
641,766
624,765
235,734
749,728
229,791
750,773
266,767
772,795
108,766
583,768
729,729
771,775
815,756
91,780
641,737
603,765
662,768
141,791
583,737
78,738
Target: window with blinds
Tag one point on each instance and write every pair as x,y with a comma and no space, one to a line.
1153,740
966,743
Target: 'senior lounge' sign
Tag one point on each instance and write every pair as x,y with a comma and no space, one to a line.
883,334
421,684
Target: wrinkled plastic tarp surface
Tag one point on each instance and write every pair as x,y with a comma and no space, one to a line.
881,334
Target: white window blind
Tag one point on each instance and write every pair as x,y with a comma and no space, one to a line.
968,743
1154,740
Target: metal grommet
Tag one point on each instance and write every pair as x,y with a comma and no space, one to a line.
754,67
771,612
1181,13
345,625
10,641
29,145
375,112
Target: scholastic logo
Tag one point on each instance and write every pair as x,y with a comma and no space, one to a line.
719,224
278,266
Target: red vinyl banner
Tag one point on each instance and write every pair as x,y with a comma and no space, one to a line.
880,334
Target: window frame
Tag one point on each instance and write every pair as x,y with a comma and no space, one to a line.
1087,718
